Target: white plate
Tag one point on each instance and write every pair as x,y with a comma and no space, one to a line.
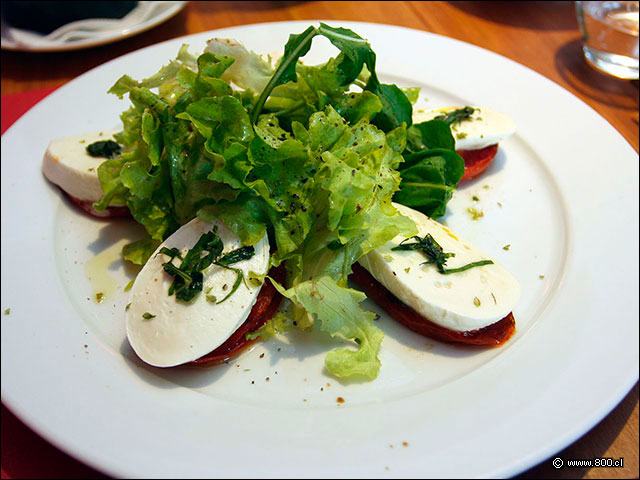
91,32
568,186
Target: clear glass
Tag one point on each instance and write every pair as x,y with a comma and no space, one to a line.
610,36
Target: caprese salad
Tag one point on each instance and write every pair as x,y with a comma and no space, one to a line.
264,186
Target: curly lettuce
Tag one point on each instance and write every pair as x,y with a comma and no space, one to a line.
292,151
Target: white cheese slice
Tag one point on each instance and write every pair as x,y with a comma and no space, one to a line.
67,164
483,128
180,332
462,301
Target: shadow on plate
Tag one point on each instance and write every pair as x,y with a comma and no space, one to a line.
294,345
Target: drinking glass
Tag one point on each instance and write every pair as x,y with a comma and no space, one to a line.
610,36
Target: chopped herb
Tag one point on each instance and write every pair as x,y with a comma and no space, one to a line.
237,283
127,307
541,276
486,187
435,254
211,298
388,258
188,278
506,247
475,198
407,269
456,116
99,297
461,135
476,301
147,315
235,256
104,148
499,204
7,311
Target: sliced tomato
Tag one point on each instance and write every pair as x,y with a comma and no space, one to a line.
494,334
87,206
477,161
265,307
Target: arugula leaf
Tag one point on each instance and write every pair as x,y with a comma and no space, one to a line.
429,180
431,169
431,134
295,154
356,53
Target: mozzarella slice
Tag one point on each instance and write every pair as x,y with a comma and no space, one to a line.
180,332
462,301
67,164
483,128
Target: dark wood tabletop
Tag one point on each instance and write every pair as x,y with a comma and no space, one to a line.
543,36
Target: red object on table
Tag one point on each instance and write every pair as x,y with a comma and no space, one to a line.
24,453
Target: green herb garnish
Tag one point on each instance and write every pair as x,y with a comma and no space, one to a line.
104,148
435,254
148,316
235,256
456,116
188,278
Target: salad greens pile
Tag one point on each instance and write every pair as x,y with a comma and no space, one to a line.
311,155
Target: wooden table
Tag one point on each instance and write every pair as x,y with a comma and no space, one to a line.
544,36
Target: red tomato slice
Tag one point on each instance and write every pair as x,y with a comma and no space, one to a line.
87,206
494,334
265,307
477,161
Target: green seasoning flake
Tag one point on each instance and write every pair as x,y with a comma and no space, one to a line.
475,214
147,315
435,254
127,307
99,297
456,116
7,311
211,298
104,148
476,301
388,258
255,279
541,276
129,285
506,247
461,135
475,198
